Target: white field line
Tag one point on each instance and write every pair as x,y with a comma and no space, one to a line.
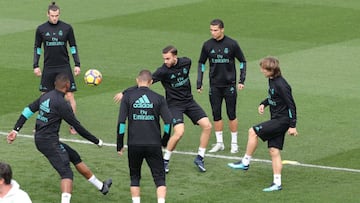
208,155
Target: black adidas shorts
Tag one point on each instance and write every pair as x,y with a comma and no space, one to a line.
191,109
49,74
154,159
273,131
57,156
217,95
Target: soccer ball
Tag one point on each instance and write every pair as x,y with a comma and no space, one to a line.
93,77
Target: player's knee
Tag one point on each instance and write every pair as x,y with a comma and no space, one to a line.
179,130
252,132
274,151
207,126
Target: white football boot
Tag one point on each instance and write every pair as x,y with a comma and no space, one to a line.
217,147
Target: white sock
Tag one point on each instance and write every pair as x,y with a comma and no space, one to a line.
96,182
161,200
219,137
277,179
135,199
246,159
234,136
65,197
202,151
167,155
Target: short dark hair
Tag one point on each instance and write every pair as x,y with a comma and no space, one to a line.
53,7
217,22
145,76
5,172
170,49
61,79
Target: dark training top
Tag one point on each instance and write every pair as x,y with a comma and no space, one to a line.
54,38
281,100
143,108
52,109
221,55
175,81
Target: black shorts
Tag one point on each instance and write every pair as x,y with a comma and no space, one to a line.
273,131
73,155
154,159
49,74
190,109
217,95
57,156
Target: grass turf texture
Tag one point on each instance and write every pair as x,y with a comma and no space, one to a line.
316,41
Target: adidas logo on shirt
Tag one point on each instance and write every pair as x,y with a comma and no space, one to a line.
143,102
45,106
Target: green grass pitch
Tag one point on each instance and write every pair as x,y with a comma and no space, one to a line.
317,42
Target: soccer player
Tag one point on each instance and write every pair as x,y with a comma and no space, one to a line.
52,109
55,35
10,191
221,51
283,118
174,76
142,108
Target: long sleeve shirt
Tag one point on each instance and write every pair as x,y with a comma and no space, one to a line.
54,38
280,100
221,54
142,108
175,81
52,109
